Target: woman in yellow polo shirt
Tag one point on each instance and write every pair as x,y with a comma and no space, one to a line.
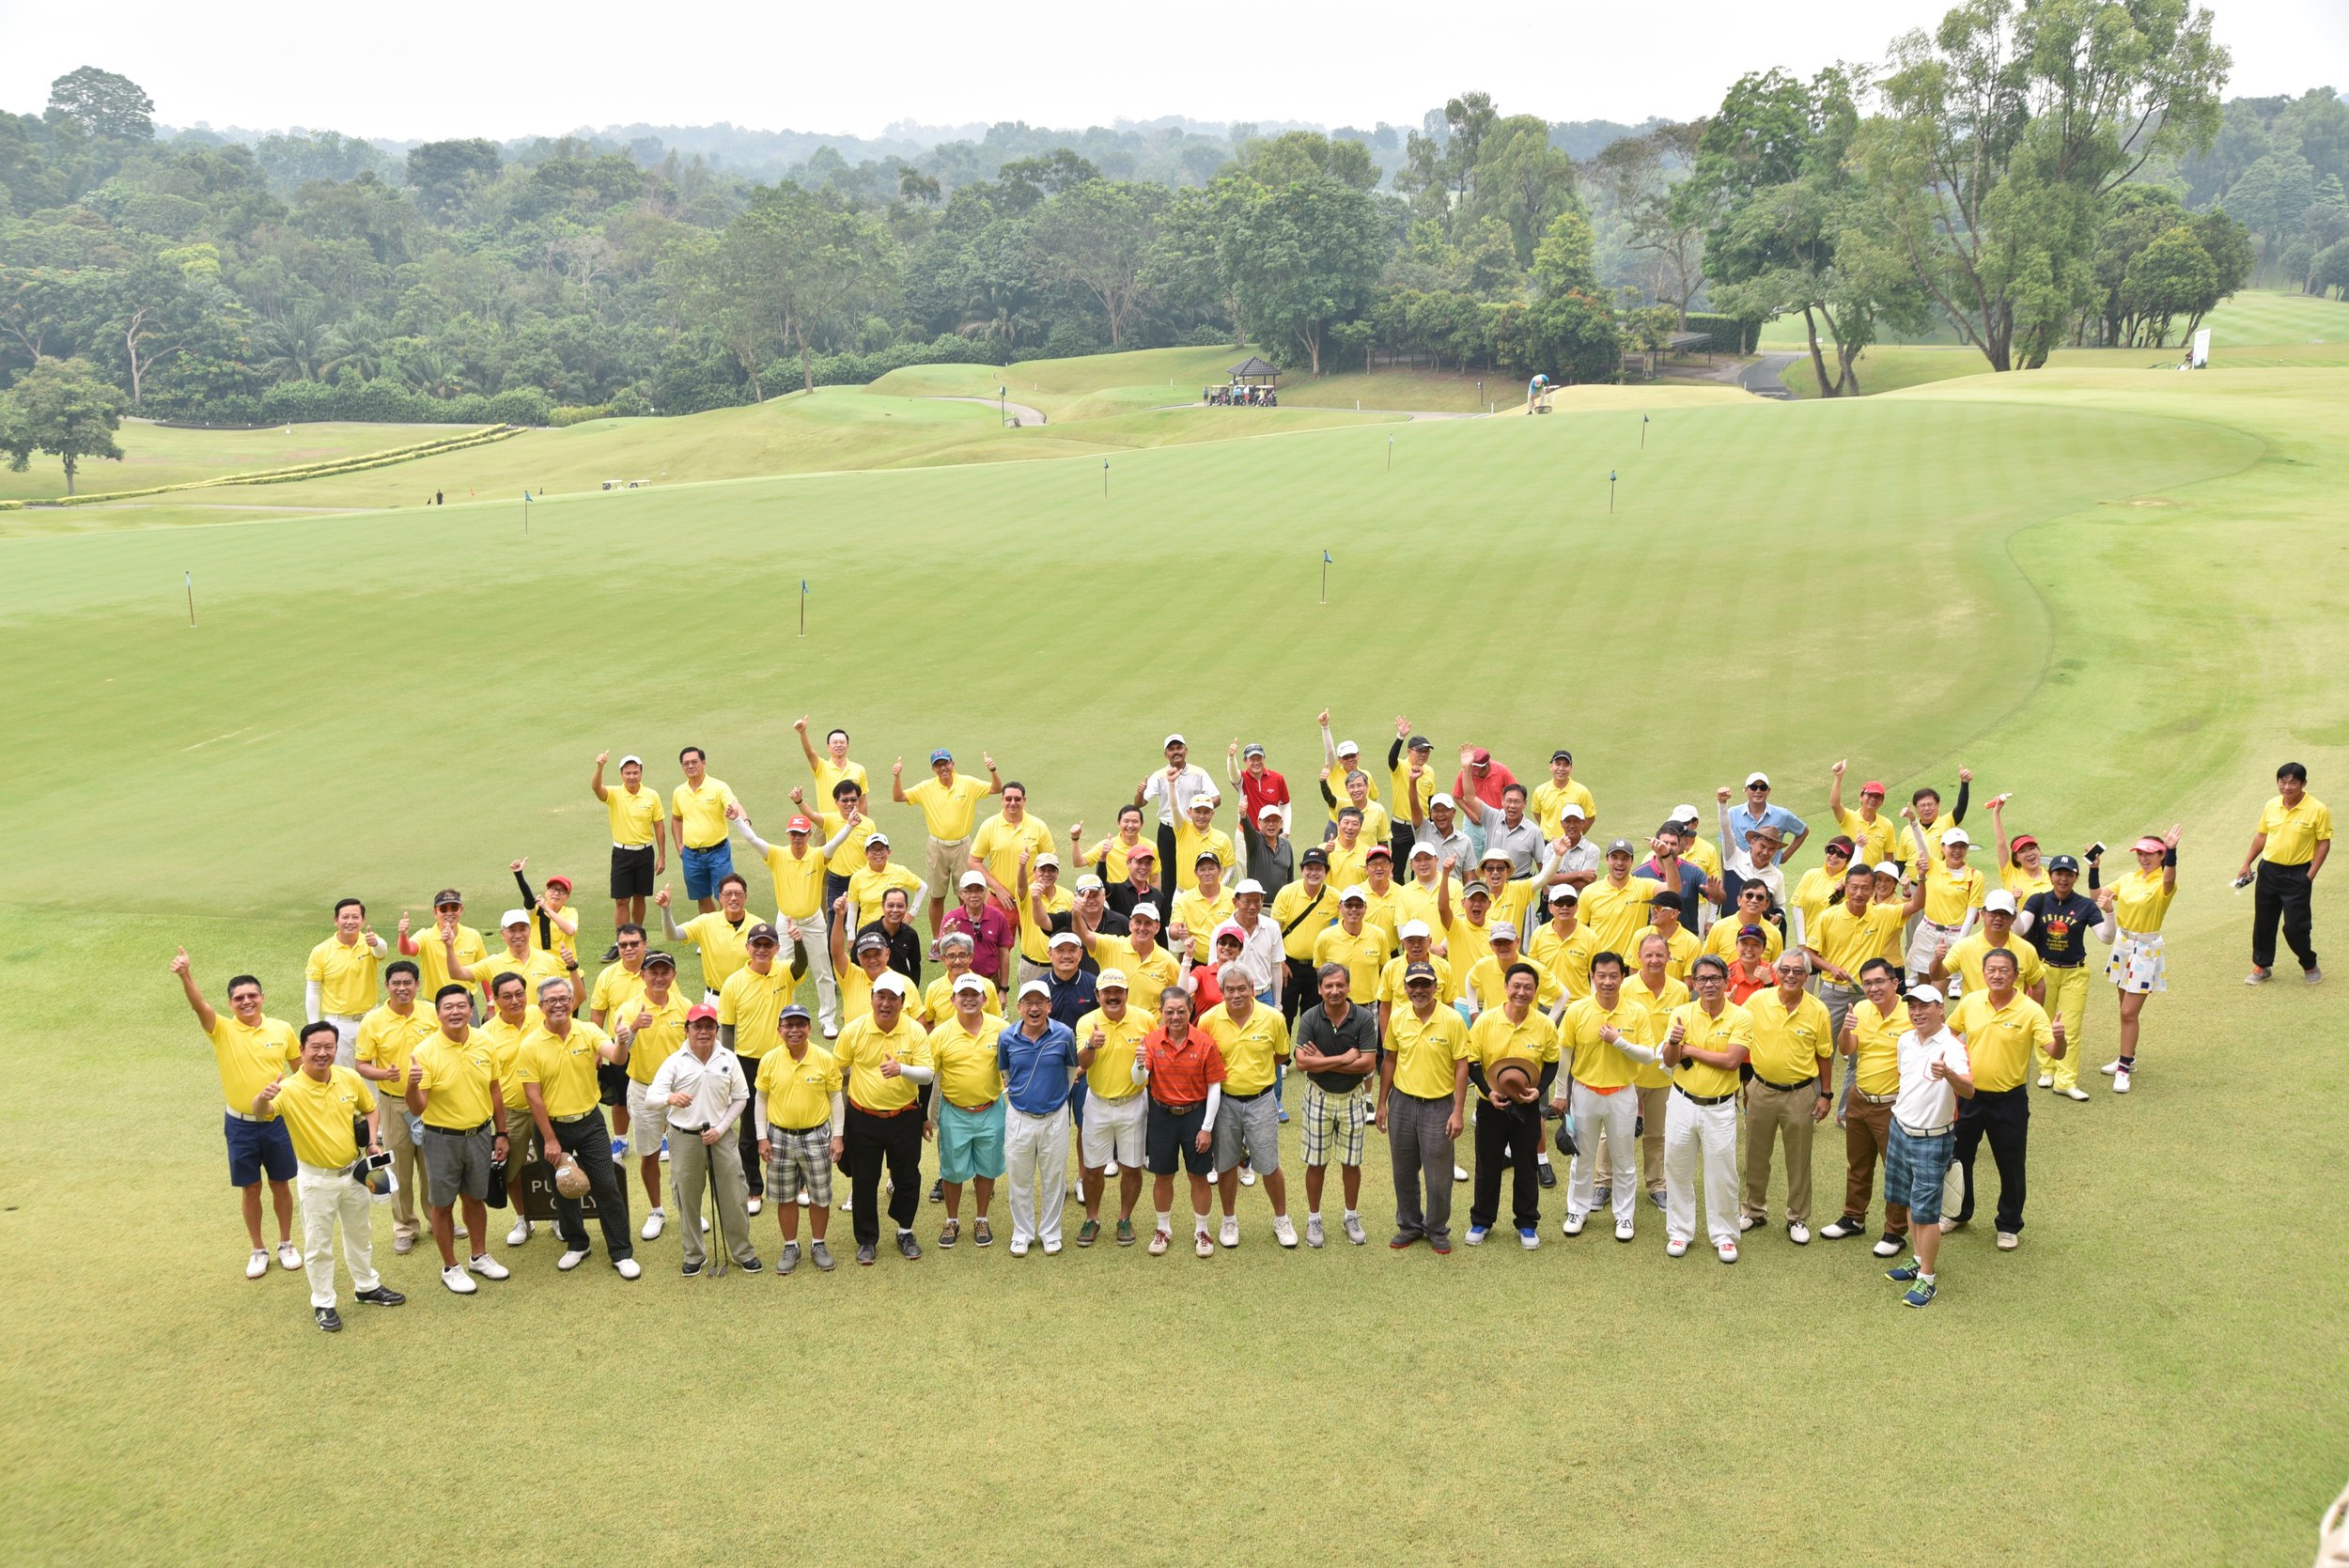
2138,903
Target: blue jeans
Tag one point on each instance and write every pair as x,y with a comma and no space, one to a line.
1914,1169
706,868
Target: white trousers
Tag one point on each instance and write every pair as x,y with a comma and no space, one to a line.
1618,1112
346,1038
1690,1128
814,951
1035,1164
327,1195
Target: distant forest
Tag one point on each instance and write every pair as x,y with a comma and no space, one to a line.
242,277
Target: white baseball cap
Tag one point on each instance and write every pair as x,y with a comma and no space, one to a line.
1570,809
1684,813
1756,778
1886,868
1566,893
1442,799
1035,989
631,758
1955,836
1174,739
1068,937
971,982
881,839
1355,894
514,917
890,980
1047,858
1249,884
1412,928
1086,883
2002,902
1924,993
1145,908
1108,978
1422,848
1347,749
1270,810
1502,930
972,879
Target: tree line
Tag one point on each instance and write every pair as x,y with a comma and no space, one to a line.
2031,174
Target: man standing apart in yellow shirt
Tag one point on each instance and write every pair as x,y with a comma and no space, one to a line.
704,849
1509,1125
340,978
2294,836
320,1107
834,765
1704,1045
1792,1088
640,839
1609,1037
250,1049
949,802
995,847
453,1085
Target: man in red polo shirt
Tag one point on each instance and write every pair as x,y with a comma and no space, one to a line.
1184,1069
988,923
1259,785
1480,777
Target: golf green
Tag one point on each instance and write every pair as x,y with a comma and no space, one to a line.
2117,594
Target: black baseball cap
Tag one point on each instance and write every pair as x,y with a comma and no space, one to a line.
2063,862
1318,857
447,897
661,959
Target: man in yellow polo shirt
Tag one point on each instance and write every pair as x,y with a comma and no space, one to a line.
720,937
949,802
1846,937
1875,836
798,868
1871,1036
1606,1039
1793,1089
1359,946
886,1058
2294,836
534,964
1509,1134
753,999
640,840
453,1087
557,1063
650,1029
1704,1044
250,1049
341,976
799,1113
448,939
704,849
1423,1085
1963,958
1566,946
320,1107
834,765
1116,1107
511,1020
1947,891
840,833
1255,1040
995,847
388,1036
1550,797
2000,1026
1615,907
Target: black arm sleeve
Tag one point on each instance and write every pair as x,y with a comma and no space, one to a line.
1964,793
726,1036
529,901
1326,795
1394,754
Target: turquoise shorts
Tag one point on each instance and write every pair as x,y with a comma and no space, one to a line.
970,1142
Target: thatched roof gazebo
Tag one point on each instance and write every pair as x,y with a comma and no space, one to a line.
1254,370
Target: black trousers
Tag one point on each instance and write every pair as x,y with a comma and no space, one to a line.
1299,992
2281,893
1507,1139
589,1144
874,1142
2002,1116
753,1167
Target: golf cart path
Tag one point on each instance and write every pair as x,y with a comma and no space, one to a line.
1020,413
1762,377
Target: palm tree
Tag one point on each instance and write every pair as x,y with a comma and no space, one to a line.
1008,324
294,346
423,368
356,346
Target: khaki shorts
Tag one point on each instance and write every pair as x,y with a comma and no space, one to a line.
1114,1130
948,858
647,1121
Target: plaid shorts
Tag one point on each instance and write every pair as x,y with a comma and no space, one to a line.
1913,1170
1335,1123
800,1162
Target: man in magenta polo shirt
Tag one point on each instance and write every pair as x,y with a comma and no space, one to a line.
987,924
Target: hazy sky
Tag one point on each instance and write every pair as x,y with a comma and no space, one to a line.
434,67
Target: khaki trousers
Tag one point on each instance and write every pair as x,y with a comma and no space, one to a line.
1771,1114
1867,1134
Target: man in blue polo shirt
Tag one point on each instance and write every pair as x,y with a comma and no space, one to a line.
1038,1059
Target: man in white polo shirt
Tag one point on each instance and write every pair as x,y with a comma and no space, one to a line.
1935,1073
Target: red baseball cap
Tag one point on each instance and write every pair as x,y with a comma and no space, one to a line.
800,825
700,1011
1480,758
558,879
1874,786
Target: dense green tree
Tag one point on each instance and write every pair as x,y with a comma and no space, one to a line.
1097,234
445,173
102,104
1298,256
63,408
2004,132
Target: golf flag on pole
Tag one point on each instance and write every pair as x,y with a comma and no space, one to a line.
190,580
802,606
1325,577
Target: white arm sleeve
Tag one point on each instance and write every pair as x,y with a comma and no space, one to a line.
1215,1099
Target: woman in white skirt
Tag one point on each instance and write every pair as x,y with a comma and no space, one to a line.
2138,903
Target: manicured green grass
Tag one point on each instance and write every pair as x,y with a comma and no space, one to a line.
2118,595
2255,316
155,454
1890,367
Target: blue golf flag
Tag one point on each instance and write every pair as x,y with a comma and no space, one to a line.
1325,558
803,584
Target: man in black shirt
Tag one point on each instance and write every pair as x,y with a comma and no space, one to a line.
1337,1049
2057,923
1142,882
905,946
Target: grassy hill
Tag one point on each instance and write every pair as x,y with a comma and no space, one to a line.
159,454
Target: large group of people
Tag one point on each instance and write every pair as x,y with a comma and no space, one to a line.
1462,967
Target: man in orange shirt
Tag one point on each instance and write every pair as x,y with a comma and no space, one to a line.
1182,1068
